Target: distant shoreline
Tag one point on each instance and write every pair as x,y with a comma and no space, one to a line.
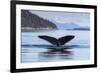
25,29
30,29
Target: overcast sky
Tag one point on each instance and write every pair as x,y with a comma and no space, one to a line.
82,19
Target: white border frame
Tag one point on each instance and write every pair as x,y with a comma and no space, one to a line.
51,64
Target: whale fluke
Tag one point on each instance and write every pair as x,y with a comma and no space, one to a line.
58,42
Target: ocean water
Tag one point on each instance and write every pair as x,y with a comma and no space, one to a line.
33,48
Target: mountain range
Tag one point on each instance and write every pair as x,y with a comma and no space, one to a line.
71,26
33,22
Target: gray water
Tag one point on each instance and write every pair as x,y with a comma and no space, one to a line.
33,47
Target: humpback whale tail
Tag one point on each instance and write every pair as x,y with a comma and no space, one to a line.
57,42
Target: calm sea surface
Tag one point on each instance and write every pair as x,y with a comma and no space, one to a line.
33,47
